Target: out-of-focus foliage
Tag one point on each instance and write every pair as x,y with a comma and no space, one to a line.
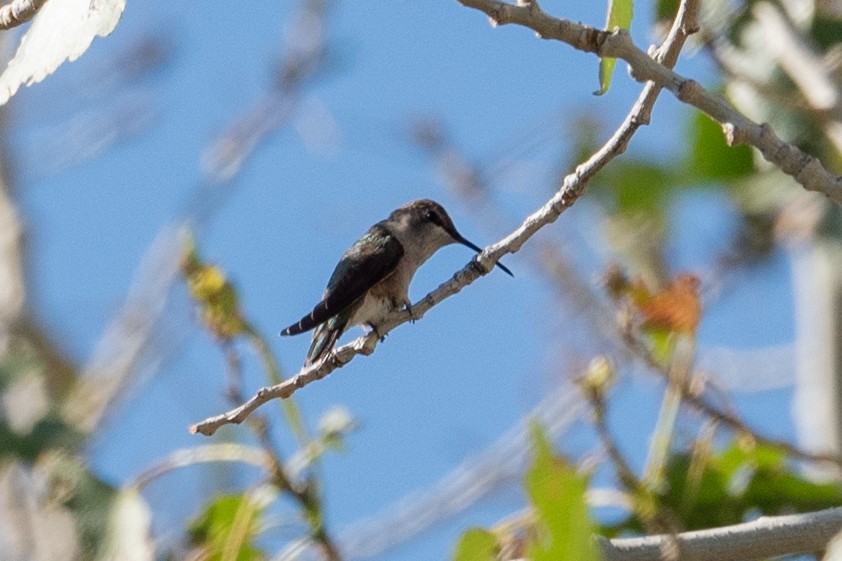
30,419
227,529
709,158
743,480
215,295
557,493
660,315
476,544
559,527
675,308
665,10
43,476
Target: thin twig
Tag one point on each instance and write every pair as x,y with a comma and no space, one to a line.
208,453
679,373
654,516
273,373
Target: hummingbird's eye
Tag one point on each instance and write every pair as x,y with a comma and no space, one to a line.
433,217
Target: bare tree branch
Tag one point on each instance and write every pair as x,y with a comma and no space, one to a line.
19,12
768,536
739,129
572,187
209,453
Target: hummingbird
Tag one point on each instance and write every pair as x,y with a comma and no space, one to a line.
372,277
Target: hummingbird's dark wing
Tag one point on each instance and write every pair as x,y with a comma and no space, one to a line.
371,259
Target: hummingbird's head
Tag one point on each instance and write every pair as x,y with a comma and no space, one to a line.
426,222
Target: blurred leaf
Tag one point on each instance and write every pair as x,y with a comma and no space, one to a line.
128,537
216,296
826,31
227,528
637,186
737,482
619,16
558,494
676,308
661,342
334,425
28,424
476,544
60,31
710,158
665,10
49,432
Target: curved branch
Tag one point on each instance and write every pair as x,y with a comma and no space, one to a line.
571,189
768,536
209,453
739,129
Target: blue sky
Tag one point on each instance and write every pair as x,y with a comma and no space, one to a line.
434,392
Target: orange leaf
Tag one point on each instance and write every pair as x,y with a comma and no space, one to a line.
676,308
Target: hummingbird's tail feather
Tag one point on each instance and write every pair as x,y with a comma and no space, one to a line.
297,328
319,314
324,339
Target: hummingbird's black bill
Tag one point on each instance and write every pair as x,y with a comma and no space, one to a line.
458,237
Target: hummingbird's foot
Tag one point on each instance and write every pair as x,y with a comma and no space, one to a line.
407,306
380,337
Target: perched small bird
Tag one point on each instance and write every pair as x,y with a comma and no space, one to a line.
372,278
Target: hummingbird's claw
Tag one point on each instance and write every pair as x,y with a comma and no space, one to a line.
407,306
380,338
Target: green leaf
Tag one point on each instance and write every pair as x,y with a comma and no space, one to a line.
619,16
476,544
662,343
227,529
638,186
740,480
826,30
558,494
606,71
744,479
710,157
665,10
